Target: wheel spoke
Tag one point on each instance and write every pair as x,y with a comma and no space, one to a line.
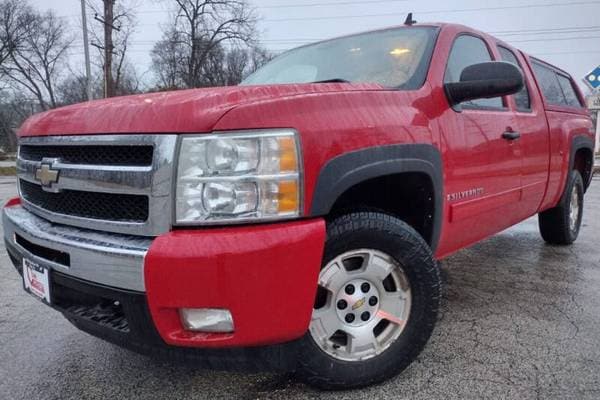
324,322
574,210
361,339
379,267
392,307
333,277
367,259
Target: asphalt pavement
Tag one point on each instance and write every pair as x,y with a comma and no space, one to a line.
520,320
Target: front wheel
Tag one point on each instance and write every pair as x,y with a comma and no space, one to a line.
561,224
377,302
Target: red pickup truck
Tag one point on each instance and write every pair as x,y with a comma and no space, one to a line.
294,222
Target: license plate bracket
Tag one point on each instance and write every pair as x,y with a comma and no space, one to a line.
36,280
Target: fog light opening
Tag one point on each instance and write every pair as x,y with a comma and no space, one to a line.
212,320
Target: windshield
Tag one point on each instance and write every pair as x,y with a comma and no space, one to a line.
395,58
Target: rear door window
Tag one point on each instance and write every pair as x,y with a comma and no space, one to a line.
566,85
549,84
557,88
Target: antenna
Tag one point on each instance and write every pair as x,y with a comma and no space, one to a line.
409,20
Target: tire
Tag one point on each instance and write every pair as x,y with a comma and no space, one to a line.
391,245
560,225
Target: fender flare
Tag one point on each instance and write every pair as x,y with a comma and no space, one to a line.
342,172
578,143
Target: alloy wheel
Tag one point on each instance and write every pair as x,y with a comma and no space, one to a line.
363,304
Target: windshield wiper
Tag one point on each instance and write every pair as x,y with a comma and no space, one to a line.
333,80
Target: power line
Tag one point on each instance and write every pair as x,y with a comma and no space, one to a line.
555,39
80,53
417,13
281,6
568,52
545,29
398,14
364,2
339,3
325,4
548,31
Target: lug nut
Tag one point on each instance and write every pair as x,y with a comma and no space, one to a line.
372,301
342,304
365,316
349,318
365,287
350,289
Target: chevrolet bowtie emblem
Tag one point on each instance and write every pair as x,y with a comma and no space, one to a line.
358,304
46,175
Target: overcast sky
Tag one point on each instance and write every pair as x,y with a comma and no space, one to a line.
564,32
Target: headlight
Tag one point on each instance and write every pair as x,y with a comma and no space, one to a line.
238,177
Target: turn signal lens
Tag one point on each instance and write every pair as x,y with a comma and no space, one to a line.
287,196
287,154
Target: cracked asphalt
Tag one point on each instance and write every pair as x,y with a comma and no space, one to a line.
520,320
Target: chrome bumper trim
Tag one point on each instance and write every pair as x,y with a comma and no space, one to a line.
109,259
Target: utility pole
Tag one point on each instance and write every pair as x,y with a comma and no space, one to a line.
109,87
108,21
86,50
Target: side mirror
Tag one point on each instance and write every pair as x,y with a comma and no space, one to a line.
485,80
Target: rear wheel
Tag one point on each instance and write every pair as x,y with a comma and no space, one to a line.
376,306
561,224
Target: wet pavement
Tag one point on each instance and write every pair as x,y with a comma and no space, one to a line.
520,320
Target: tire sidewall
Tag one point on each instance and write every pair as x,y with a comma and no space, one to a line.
575,183
401,242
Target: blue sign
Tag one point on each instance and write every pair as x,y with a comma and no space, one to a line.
593,78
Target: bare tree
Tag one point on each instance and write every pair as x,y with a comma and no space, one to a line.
221,67
73,89
11,29
236,63
200,29
168,57
14,109
34,58
259,56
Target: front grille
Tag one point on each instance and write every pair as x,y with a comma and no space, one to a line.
111,183
93,154
94,205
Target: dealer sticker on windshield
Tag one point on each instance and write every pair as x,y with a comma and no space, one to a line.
35,279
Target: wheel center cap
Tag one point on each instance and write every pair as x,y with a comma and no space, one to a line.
357,302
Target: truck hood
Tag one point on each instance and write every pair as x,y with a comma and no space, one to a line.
185,111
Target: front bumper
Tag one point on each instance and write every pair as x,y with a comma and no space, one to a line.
91,308
109,259
266,275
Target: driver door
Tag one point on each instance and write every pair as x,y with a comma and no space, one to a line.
483,157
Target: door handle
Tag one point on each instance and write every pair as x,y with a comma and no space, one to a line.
511,135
